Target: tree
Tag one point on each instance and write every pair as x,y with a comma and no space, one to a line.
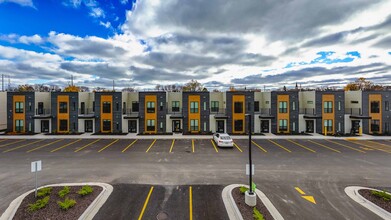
128,89
25,88
193,85
71,88
362,84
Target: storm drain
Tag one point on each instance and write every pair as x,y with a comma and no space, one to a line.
162,216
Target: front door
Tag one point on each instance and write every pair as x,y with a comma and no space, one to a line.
355,126
176,125
88,126
265,126
45,126
309,126
220,126
132,126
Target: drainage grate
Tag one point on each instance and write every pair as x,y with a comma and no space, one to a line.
162,216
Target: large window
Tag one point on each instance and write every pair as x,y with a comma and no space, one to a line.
283,125
328,107
150,125
256,106
63,125
328,125
19,125
214,106
106,125
19,107
238,125
175,106
106,108
194,107
82,108
193,125
375,107
238,107
134,106
63,107
283,107
375,125
151,107
40,108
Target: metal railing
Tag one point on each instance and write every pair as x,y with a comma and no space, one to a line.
307,111
217,111
129,111
43,111
265,111
174,111
86,111
353,111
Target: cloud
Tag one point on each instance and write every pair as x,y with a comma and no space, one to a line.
106,25
27,3
97,13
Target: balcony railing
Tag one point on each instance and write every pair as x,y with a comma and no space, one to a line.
353,111
265,111
86,111
129,111
217,111
174,111
307,111
43,111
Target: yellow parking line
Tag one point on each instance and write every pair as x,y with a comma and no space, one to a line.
343,145
237,147
153,142
172,145
279,145
214,145
129,145
11,143
37,148
25,145
379,143
65,146
79,149
192,145
103,148
190,203
259,146
299,190
322,145
300,145
371,147
145,203
2,140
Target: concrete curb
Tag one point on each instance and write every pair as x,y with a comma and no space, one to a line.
352,192
88,214
232,209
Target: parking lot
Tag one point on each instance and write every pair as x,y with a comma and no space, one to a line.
286,170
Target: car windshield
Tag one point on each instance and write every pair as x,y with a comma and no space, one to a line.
226,137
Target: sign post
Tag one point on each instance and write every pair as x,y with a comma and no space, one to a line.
35,167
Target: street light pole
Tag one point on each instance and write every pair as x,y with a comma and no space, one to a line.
249,154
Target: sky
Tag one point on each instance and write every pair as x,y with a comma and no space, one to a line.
220,43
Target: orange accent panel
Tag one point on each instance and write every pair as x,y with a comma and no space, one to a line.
195,116
62,116
19,116
106,116
150,116
328,116
238,116
375,116
282,116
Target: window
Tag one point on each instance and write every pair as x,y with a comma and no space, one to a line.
339,106
63,125
204,106
194,107
214,106
40,108
328,125
19,107
106,107
151,107
205,126
328,107
354,102
293,106
30,107
375,125
293,126
387,105
117,106
134,106
82,108
161,106
283,125
175,106
63,107
150,125
161,125
310,102
124,108
267,102
106,125
73,106
375,107
93,106
193,125
238,107
256,106
238,125
19,125
283,107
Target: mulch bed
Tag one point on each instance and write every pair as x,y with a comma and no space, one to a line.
52,210
247,211
386,205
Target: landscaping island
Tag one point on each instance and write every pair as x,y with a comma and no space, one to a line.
259,212
379,198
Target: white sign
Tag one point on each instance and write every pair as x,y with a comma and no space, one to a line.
36,166
248,169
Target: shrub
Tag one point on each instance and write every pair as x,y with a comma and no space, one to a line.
243,189
62,193
39,204
85,190
257,215
67,204
381,194
44,191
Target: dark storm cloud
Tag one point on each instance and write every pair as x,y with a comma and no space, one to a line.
101,69
148,75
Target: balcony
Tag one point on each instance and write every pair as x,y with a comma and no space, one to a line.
218,112
356,113
265,113
130,113
43,112
174,112
87,111
309,113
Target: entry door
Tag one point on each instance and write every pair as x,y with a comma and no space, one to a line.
265,126
88,126
220,126
355,126
45,126
309,126
132,126
176,125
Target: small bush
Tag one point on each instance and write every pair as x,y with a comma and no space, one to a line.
39,204
44,191
67,204
85,190
62,193
243,189
257,215
381,194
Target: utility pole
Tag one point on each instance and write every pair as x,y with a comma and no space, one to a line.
113,86
2,82
250,196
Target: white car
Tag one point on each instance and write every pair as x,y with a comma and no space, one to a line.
223,140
